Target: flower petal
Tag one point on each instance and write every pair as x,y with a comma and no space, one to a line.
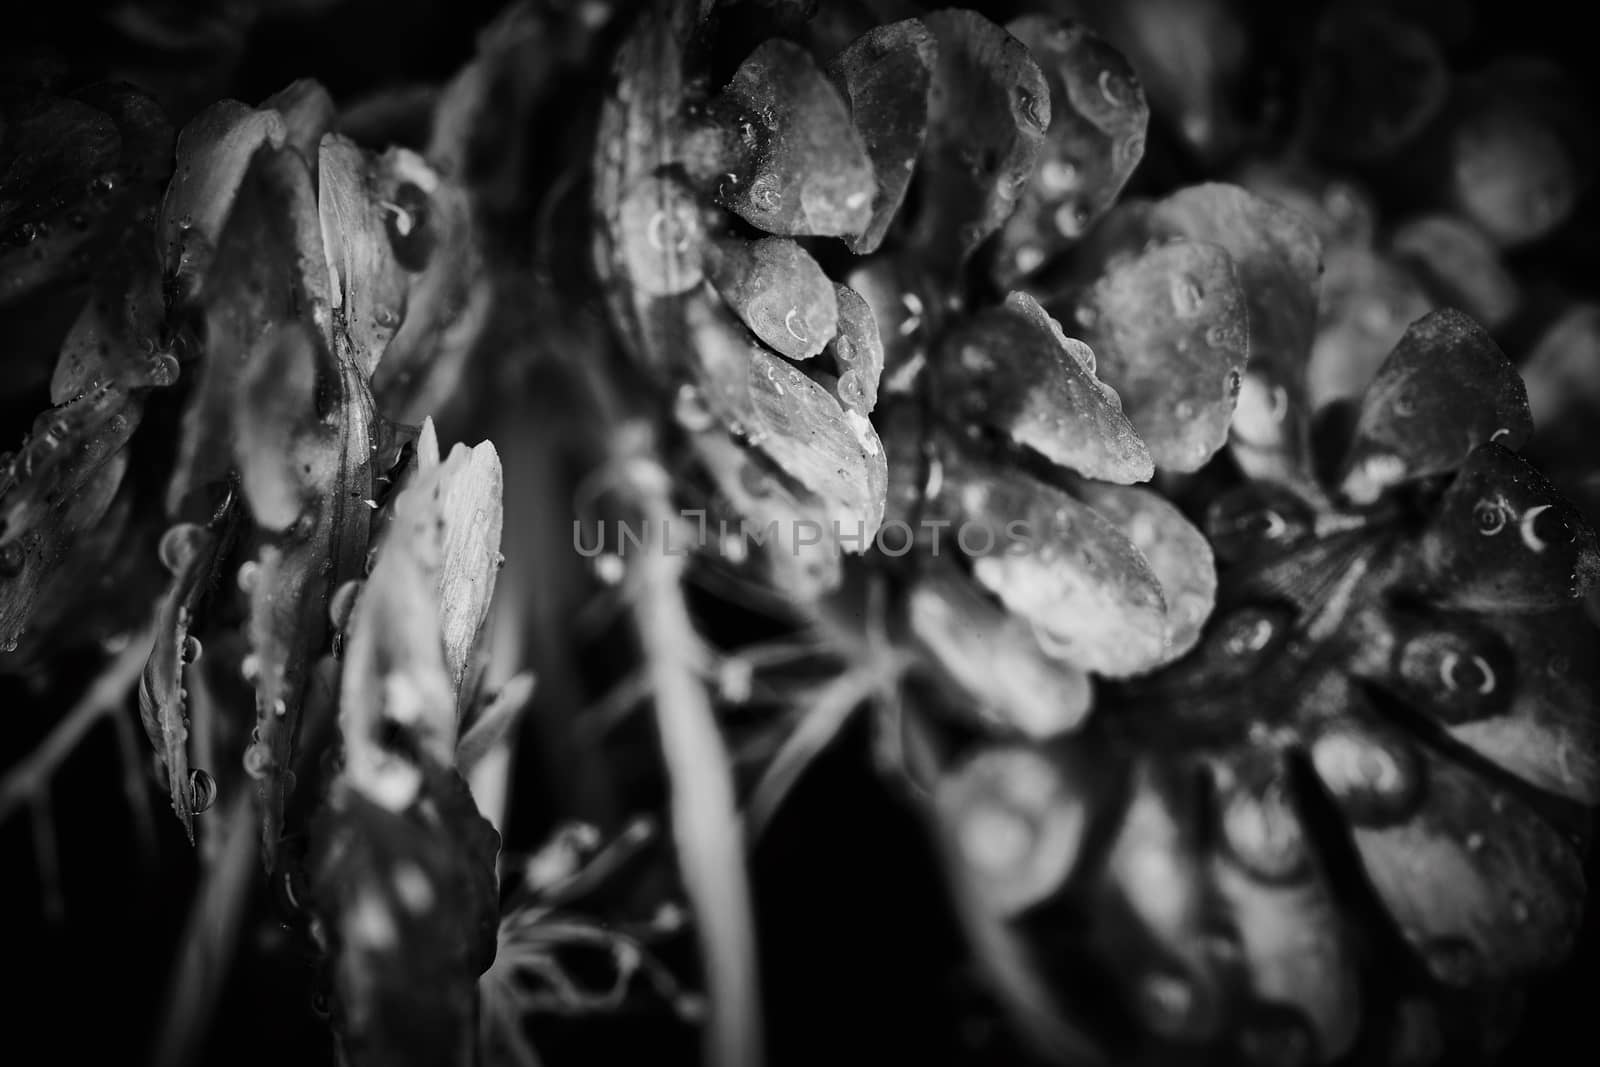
1460,265
1171,333
1014,369
993,657
1443,391
778,290
1505,540
988,113
1177,552
885,75
806,171
1096,138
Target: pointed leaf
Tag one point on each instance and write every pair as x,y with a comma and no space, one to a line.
1505,541
1445,390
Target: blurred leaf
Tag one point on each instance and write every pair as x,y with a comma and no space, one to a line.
1095,140
988,111
801,166
1014,369
1376,79
1091,595
366,284
885,75
1444,390
1505,541
1562,372
1177,552
1512,170
778,291
1460,265
993,658
1169,328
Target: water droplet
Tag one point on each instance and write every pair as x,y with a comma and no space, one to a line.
180,545
1489,516
12,558
609,568
257,760
249,575
1235,379
26,233
1109,88
850,390
385,317
1057,176
1029,258
1028,106
975,359
162,370
204,788
1184,410
406,223
765,195
1166,1001
1071,218
727,185
1186,297
1086,316
1247,633
191,649
1467,673
103,184
796,326
250,668
1453,961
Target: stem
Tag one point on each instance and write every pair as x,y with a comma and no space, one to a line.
705,820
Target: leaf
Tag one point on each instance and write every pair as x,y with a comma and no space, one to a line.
1456,261
777,290
117,335
1176,551
366,284
1090,594
1445,390
162,707
993,658
772,514
268,270
1368,302
988,111
1513,171
1170,330
1504,540
663,238
1562,372
1376,80
1014,369
1095,140
214,152
1016,823
886,74
806,171
857,350
1479,884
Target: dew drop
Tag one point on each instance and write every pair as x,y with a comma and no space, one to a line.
765,195
1186,297
406,223
204,789
1489,516
257,760
1029,258
162,370
1167,1000
609,568
1453,961
191,649
180,545
796,326
1235,379
250,668
1108,88
1057,176
1071,218
690,410
1086,316
12,558
249,575
1029,108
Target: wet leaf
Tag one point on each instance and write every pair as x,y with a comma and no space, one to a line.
1095,140
1376,80
117,335
807,171
1016,825
1091,595
214,152
1176,551
784,527
663,237
162,697
1480,885
1170,331
1445,390
1462,266
1368,301
268,270
988,111
366,284
857,351
1014,369
1505,540
777,290
1277,260
1291,935
993,657
886,74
